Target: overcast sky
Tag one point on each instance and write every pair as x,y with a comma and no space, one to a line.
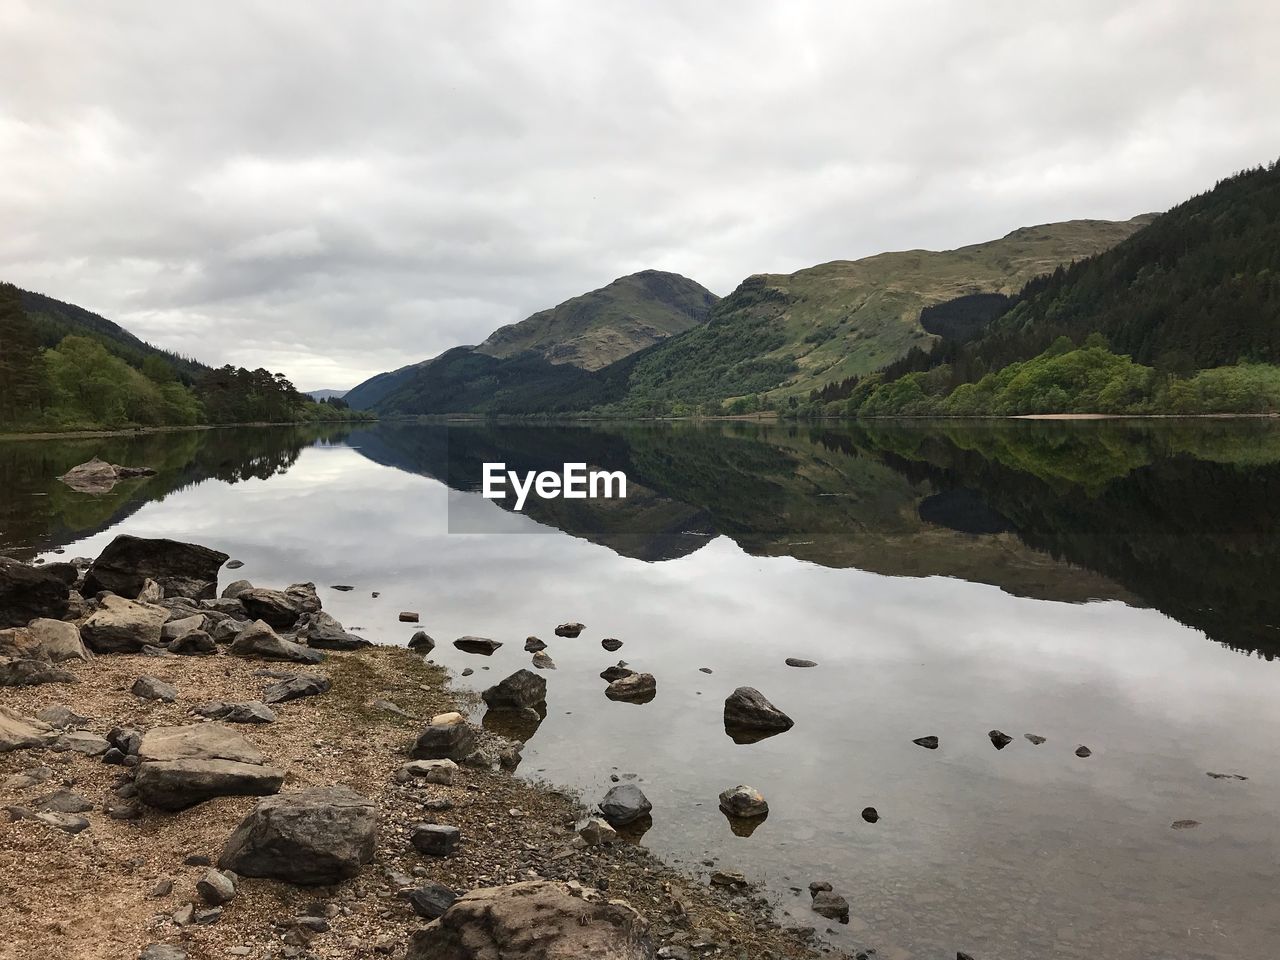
337,189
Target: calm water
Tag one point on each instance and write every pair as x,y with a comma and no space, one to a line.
1094,583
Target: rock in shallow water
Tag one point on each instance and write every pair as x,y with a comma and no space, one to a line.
744,801
633,688
520,690
749,716
929,743
797,662
533,645
999,739
481,645
624,804
570,630
831,905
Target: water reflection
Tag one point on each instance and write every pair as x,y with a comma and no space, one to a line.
923,568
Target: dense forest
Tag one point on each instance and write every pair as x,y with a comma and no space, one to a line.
59,373
1182,317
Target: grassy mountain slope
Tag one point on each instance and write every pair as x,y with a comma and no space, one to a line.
1199,288
790,333
603,326
52,320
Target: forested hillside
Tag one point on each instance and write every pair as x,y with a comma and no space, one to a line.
65,368
1184,316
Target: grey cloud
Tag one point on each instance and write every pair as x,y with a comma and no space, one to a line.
337,189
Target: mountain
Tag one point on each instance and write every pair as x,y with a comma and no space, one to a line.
554,360
52,320
319,395
791,333
1181,317
594,330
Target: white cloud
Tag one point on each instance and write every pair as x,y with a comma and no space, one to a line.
333,189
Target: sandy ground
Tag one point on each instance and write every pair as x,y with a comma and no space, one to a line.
91,896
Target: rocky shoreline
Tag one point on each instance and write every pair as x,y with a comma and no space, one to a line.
191,772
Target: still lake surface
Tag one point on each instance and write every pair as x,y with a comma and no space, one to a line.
1108,584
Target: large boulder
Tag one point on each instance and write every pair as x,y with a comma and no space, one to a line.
259,640
97,476
523,689
181,569
536,920
321,835
19,733
323,632
44,639
28,592
183,766
749,716
123,626
280,608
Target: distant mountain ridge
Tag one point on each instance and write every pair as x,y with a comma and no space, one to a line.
534,363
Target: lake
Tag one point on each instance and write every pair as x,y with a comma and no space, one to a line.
1108,584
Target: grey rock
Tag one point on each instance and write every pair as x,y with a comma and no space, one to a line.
62,801
744,801
175,628
321,835
280,608
624,804
1034,739
19,733
27,592
434,839
197,643
153,688
251,711
123,626
296,687
183,766
533,645
595,831
421,642
520,690
543,662
570,630
999,739
536,920
831,905
43,639
233,590
429,771
616,672
216,887
61,717
451,739
30,673
612,644
633,688
408,616
322,631
163,951
797,662
182,569
481,645
81,742
431,900
929,743
748,715
261,641
1083,752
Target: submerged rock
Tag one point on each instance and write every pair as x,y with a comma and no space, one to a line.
1033,738
535,920
831,905
320,835
181,569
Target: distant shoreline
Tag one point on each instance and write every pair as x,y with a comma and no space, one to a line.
137,431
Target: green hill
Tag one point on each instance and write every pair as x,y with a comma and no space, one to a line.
1182,317
787,334
565,359
598,328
